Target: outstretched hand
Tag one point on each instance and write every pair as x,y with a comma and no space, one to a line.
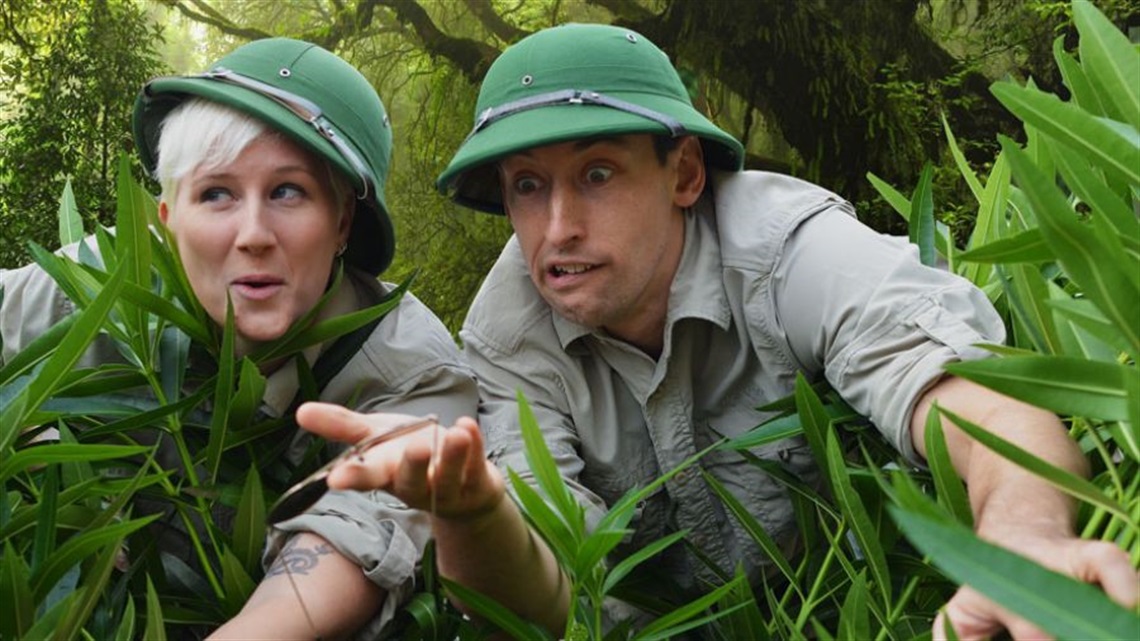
974,617
437,469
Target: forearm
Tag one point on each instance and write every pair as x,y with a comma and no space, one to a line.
499,555
311,591
1002,493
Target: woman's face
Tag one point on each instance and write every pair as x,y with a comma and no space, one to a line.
262,230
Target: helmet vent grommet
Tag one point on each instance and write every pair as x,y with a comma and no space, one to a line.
527,80
284,72
631,37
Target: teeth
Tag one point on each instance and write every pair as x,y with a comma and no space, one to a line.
571,269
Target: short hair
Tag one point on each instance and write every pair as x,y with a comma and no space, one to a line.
204,133
663,145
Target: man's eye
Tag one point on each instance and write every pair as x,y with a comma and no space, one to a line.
598,174
526,185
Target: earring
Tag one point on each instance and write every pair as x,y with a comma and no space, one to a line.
340,250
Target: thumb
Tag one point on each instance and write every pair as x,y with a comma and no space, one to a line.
333,422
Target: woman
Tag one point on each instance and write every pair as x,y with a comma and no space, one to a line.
272,166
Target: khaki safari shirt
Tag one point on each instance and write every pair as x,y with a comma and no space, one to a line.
776,276
409,364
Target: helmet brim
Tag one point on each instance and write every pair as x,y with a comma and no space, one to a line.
471,178
371,244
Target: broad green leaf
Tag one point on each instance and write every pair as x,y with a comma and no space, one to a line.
64,452
1025,247
78,548
1083,313
15,594
1111,63
754,529
91,591
991,217
487,608
70,224
855,513
1106,146
1028,294
622,568
1080,249
155,625
249,523
126,629
236,581
223,392
687,617
1062,384
815,423
921,223
1059,478
854,623
1082,178
950,490
543,467
1017,584
1076,80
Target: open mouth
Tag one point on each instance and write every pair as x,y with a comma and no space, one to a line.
569,270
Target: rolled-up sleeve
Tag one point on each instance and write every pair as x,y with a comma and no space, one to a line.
860,306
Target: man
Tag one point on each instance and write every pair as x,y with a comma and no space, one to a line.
652,297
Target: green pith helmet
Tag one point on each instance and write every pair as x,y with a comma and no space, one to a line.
310,95
571,82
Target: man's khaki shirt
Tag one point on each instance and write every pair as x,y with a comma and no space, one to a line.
776,277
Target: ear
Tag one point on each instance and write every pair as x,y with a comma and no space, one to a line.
690,172
163,212
344,228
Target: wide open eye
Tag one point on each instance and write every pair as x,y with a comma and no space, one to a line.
526,185
597,175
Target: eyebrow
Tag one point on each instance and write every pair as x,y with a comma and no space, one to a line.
619,140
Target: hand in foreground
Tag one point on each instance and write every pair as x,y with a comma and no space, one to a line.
448,462
975,617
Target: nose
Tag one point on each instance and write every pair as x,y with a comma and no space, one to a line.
255,231
565,223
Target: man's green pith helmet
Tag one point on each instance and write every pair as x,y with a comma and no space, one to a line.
310,95
571,82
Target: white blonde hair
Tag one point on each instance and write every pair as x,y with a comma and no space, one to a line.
203,133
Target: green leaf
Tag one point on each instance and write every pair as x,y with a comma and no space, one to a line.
1059,478
126,629
854,623
1106,146
155,626
622,568
543,467
64,452
686,617
15,594
857,518
990,221
1111,63
1062,384
1025,247
70,224
1082,178
1075,79
815,422
559,535
507,621
223,392
43,545
1019,585
754,529
247,400
249,523
90,593
950,490
78,548
921,227
1081,250
1028,294
236,581
961,163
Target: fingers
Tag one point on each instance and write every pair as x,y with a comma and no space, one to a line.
1107,564
333,422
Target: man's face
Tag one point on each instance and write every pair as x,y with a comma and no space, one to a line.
600,226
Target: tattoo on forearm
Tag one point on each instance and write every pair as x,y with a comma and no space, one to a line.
297,559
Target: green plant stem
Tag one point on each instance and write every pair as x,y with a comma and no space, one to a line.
1110,467
816,586
900,605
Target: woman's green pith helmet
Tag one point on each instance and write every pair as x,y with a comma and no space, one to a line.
310,95
571,82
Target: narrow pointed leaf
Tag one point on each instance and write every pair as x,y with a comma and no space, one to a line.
855,513
15,594
1059,478
542,463
70,224
1062,606
921,227
507,621
950,490
78,548
1110,61
249,523
622,568
1076,80
754,529
155,625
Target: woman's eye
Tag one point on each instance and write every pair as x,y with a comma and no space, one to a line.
214,194
598,174
526,185
287,191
